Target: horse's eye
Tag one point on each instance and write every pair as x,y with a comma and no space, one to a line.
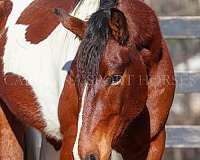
114,79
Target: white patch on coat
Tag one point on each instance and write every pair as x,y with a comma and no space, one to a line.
80,121
41,65
17,9
116,155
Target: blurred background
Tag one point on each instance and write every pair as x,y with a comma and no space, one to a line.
185,54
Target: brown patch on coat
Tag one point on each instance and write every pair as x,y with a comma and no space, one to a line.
19,97
40,18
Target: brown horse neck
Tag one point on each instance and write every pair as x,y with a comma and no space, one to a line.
143,25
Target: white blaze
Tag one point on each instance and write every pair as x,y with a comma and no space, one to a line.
80,121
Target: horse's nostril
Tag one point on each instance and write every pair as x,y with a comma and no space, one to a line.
91,157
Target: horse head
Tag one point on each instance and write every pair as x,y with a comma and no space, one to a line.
109,76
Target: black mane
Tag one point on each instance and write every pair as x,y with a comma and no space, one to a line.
95,40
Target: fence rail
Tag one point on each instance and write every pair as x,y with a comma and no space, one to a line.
183,136
183,27
187,82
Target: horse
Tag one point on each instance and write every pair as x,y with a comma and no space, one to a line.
120,87
36,50
33,54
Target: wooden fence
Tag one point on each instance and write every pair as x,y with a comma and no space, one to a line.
183,136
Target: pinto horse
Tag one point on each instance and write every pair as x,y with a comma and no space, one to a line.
33,53
120,86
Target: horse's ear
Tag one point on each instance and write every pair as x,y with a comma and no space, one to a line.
118,26
75,25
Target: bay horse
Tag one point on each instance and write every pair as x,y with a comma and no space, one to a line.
120,87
